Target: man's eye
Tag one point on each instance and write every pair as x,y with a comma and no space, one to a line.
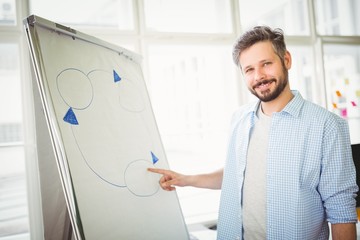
248,70
267,63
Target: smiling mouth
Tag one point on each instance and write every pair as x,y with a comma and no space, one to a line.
264,84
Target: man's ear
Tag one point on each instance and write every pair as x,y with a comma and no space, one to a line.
287,60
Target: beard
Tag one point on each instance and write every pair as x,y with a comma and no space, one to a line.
268,95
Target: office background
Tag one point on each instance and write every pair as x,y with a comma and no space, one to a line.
193,84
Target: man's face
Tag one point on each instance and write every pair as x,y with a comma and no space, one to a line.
265,74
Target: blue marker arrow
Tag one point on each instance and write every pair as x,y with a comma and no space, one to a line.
117,78
70,117
154,158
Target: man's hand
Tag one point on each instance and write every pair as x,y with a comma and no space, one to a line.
170,179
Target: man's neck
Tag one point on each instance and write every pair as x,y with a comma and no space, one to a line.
277,104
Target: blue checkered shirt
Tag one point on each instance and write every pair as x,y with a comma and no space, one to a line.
310,176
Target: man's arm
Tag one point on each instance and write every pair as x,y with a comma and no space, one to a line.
170,179
343,231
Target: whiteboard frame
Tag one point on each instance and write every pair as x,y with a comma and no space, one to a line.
49,112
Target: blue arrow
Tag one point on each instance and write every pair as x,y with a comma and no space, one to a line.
70,117
154,158
117,78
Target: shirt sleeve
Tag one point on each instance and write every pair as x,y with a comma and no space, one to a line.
337,184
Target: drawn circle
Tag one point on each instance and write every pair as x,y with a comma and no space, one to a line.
130,96
75,88
139,180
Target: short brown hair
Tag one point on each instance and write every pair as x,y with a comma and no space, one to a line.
259,34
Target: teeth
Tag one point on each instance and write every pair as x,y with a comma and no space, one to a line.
263,86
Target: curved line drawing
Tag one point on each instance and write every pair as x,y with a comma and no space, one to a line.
132,190
63,98
97,70
155,159
84,158
120,83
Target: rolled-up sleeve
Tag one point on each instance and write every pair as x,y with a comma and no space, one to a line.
338,177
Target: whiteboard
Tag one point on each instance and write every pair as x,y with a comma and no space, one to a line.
104,135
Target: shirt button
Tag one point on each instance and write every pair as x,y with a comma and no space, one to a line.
237,238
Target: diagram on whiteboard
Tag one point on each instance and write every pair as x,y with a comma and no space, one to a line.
95,115
103,135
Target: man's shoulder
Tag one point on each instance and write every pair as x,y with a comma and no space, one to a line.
243,114
319,113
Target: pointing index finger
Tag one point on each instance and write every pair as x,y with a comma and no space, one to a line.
157,170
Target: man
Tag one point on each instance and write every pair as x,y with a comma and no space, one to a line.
289,168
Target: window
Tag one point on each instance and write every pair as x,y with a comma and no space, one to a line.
335,17
115,15
192,40
10,94
7,13
13,199
342,72
302,72
184,16
193,93
13,194
289,15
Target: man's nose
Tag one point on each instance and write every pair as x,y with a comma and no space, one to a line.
259,74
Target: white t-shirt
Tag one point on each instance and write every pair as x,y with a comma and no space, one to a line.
254,190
